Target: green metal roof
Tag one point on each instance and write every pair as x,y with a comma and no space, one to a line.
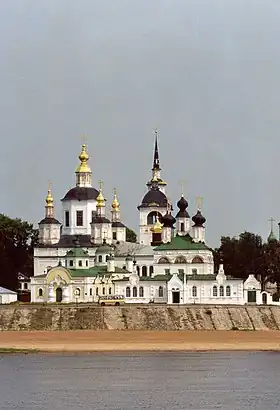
94,271
182,243
77,253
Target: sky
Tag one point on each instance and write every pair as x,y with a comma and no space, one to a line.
205,73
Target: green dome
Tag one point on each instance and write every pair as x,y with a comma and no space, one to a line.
77,253
271,237
104,248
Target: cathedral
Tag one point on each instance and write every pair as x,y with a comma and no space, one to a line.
86,255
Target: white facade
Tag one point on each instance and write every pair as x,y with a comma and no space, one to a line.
7,296
72,208
90,256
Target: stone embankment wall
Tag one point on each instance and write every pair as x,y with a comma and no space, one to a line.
46,317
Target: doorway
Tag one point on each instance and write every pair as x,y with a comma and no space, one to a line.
175,297
264,299
252,296
58,295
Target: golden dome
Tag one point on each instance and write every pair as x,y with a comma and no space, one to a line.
49,198
115,203
157,228
83,157
100,198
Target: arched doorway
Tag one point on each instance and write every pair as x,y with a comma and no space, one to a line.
58,295
264,298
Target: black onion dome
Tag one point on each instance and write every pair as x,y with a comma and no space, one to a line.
182,205
154,197
168,220
81,194
49,221
198,219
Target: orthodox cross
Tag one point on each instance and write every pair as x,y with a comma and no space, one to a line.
271,220
84,139
182,187
199,200
100,184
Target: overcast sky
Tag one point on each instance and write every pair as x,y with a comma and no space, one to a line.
205,73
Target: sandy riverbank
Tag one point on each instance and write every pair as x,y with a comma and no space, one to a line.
101,341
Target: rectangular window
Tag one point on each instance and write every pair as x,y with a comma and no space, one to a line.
80,263
71,263
114,235
79,218
181,271
67,218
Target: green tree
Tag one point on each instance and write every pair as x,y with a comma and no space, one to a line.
272,262
17,240
243,256
130,235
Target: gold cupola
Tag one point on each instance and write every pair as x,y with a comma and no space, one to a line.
49,198
115,202
83,157
100,198
49,204
157,227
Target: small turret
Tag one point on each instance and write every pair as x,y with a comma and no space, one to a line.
101,226
118,228
198,229
182,217
83,171
49,227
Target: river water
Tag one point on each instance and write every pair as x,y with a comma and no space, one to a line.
219,380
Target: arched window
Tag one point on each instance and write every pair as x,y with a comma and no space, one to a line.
197,259
228,291
160,292
97,291
107,256
194,271
103,291
144,270
164,260
127,292
180,259
151,270
77,292
222,293
40,292
134,292
90,292
152,217
80,263
100,258
141,292
194,291
25,285
215,291
110,291
138,270
182,228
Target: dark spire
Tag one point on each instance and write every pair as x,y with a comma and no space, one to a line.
156,155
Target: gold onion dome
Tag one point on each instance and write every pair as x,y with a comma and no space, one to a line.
157,228
100,198
115,203
49,198
83,157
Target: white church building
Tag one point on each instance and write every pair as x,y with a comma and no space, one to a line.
86,255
